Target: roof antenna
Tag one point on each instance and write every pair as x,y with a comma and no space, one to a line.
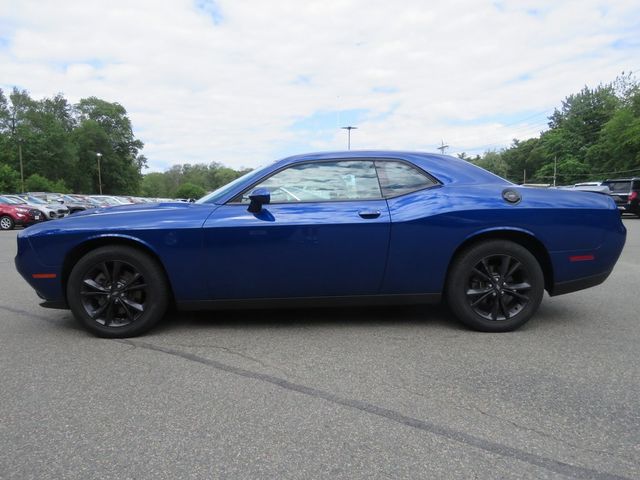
443,147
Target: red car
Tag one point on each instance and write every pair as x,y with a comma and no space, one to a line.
12,214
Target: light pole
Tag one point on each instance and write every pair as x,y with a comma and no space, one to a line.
443,147
99,155
348,129
21,167
19,140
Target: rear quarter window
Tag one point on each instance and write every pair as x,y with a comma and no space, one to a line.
398,178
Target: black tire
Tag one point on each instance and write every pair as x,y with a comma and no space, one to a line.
495,286
7,223
131,305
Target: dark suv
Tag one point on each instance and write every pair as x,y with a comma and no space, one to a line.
626,193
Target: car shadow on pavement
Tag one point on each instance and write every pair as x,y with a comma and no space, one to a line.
431,317
416,315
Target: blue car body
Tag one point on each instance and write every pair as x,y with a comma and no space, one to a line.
219,253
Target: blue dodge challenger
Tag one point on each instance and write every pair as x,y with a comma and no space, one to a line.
366,227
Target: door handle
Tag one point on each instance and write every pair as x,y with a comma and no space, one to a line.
369,213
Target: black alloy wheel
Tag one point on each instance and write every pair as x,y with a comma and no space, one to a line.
114,293
118,291
498,287
495,286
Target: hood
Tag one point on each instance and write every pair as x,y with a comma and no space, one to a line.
134,207
126,218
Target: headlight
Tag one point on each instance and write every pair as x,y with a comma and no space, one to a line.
22,210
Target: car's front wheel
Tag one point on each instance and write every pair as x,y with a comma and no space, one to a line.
495,286
117,291
6,223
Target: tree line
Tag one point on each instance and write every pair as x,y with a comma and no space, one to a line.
594,134
52,145
188,181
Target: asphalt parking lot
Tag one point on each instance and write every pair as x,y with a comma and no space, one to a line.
350,393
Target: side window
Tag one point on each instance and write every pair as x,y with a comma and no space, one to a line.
321,182
397,178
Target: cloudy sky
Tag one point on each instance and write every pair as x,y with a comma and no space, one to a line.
244,82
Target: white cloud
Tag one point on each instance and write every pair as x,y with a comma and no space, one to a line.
229,90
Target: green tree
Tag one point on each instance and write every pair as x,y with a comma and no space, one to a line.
568,171
189,190
37,183
618,146
9,179
494,162
220,175
104,127
582,116
154,184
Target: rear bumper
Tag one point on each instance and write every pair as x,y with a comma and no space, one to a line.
579,269
626,208
561,288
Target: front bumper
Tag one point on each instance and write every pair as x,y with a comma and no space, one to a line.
30,268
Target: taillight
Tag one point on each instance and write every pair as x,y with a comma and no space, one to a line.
633,196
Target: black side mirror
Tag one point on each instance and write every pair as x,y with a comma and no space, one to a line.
259,197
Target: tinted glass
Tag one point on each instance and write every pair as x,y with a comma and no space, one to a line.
397,178
321,182
217,195
36,200
623,186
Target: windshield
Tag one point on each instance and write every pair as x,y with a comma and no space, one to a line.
16,200
109,200
216,195
9,201
623,186
36,200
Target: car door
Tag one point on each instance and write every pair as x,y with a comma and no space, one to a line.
416,261
325,233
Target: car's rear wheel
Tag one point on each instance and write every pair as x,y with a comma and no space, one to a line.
495,286
6,223
117,291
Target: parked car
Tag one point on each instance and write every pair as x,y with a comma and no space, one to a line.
12,214
51,210
108,200
94,202
626,194
17,200
47,196
333,228
74,204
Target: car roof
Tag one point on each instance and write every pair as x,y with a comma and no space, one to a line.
445,168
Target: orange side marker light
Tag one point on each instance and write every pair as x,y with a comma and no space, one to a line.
44,275
581,258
